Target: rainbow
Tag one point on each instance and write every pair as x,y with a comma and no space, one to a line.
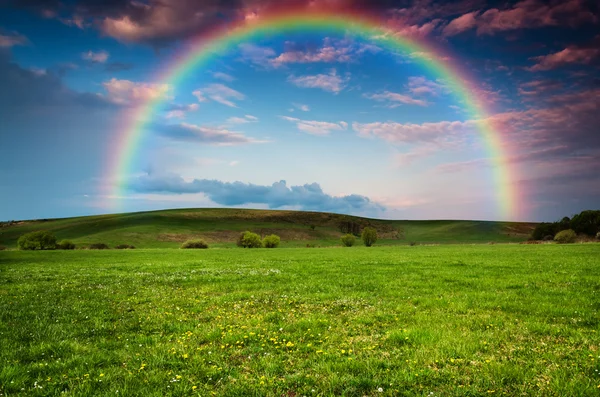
208,46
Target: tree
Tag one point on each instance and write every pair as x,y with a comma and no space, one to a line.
565,237
369,236
271,241
348,226
544,229
40,240
348,240
249,240
587,222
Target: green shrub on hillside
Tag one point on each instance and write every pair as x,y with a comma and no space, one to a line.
249,240
65,245
40,240
369,236
271,241
98,246
348,240
565,237
124,247
195,244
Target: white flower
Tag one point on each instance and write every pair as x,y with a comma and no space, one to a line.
380,390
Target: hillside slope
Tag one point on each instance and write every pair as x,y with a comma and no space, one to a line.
220,227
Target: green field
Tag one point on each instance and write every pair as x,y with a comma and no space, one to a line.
450,320
221,227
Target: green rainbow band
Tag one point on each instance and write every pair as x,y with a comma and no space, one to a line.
211,45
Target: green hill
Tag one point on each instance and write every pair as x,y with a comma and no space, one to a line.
220,227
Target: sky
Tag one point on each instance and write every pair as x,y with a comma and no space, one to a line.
323,120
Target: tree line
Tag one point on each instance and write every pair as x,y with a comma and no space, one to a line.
585,223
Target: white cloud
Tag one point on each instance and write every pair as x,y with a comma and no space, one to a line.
241,120
179,111
259,56
395,99
126,92
196,133
219,93
223,76
440,133
96,57
316,127
419,85
331,82
299,106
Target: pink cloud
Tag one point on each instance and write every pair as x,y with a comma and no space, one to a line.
461,24
523,15
569,55
11,40
126,92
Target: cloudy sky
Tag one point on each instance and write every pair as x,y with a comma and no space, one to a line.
320,120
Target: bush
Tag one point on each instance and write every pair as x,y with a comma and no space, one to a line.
348,240
271,241
369,236
548,238
598,236
249,240
124,247
40,240
65,245
565,237
98,246
194,244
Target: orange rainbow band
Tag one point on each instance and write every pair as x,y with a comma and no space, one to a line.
209,46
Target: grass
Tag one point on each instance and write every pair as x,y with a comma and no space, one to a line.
460,320
221,227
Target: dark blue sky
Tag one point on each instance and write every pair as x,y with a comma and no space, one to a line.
321,121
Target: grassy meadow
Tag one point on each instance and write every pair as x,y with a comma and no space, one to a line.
449,320
221,226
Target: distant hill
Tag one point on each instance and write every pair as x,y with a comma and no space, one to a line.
220,227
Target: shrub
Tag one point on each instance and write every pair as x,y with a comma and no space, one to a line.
598,236
65,245
413,243
124,247
348,240
565,237
271,241
369,236
548,238
40,240
249,240
195,244
98,246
